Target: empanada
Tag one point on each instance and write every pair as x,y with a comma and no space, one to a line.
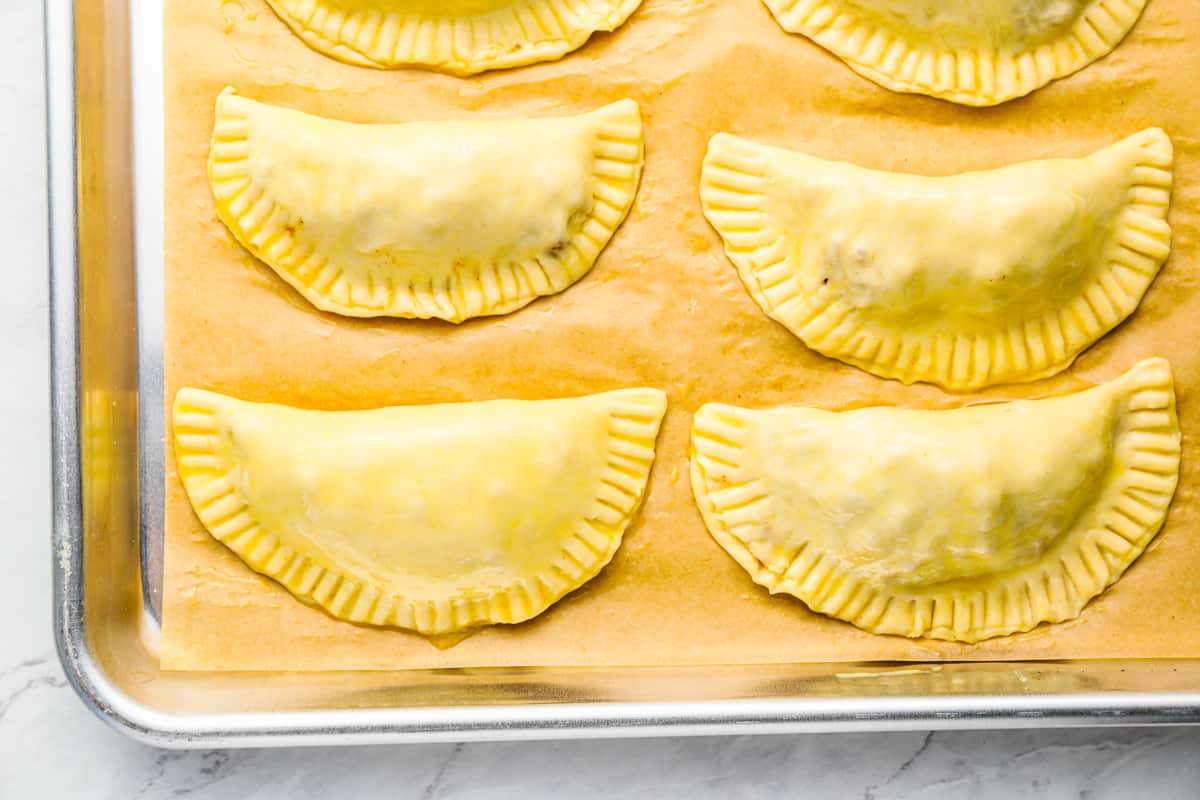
427,219
461,37
433,518
965,281
961,524
975,52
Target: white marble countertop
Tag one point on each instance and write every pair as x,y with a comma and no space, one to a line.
51,747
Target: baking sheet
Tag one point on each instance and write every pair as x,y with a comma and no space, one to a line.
663,307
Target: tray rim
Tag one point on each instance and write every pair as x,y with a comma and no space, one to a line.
150,725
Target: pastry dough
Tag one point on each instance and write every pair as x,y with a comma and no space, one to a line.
964,281
430,219
461,37
434,518
961,524
975,52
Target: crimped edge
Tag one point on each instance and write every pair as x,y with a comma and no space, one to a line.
526,32
1130,512
977,78
734,185
205,471
262,226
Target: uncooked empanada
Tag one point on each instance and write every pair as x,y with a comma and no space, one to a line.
965,281
976,52
461,37
434,518
426,219
960,524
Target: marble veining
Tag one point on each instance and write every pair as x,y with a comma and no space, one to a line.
50,746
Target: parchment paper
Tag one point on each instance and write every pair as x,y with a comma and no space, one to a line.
663,307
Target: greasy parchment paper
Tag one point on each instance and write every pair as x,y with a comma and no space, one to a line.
663,307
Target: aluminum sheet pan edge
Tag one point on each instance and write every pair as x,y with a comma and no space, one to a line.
101,617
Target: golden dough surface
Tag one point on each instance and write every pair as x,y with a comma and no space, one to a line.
445,219
461,37
435,518
960,524
975,52
969,280
662,307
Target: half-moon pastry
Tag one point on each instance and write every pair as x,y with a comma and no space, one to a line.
451,220
975,52
957,524
965,281
462,37
434,518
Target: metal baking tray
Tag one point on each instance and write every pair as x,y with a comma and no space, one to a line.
105,144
